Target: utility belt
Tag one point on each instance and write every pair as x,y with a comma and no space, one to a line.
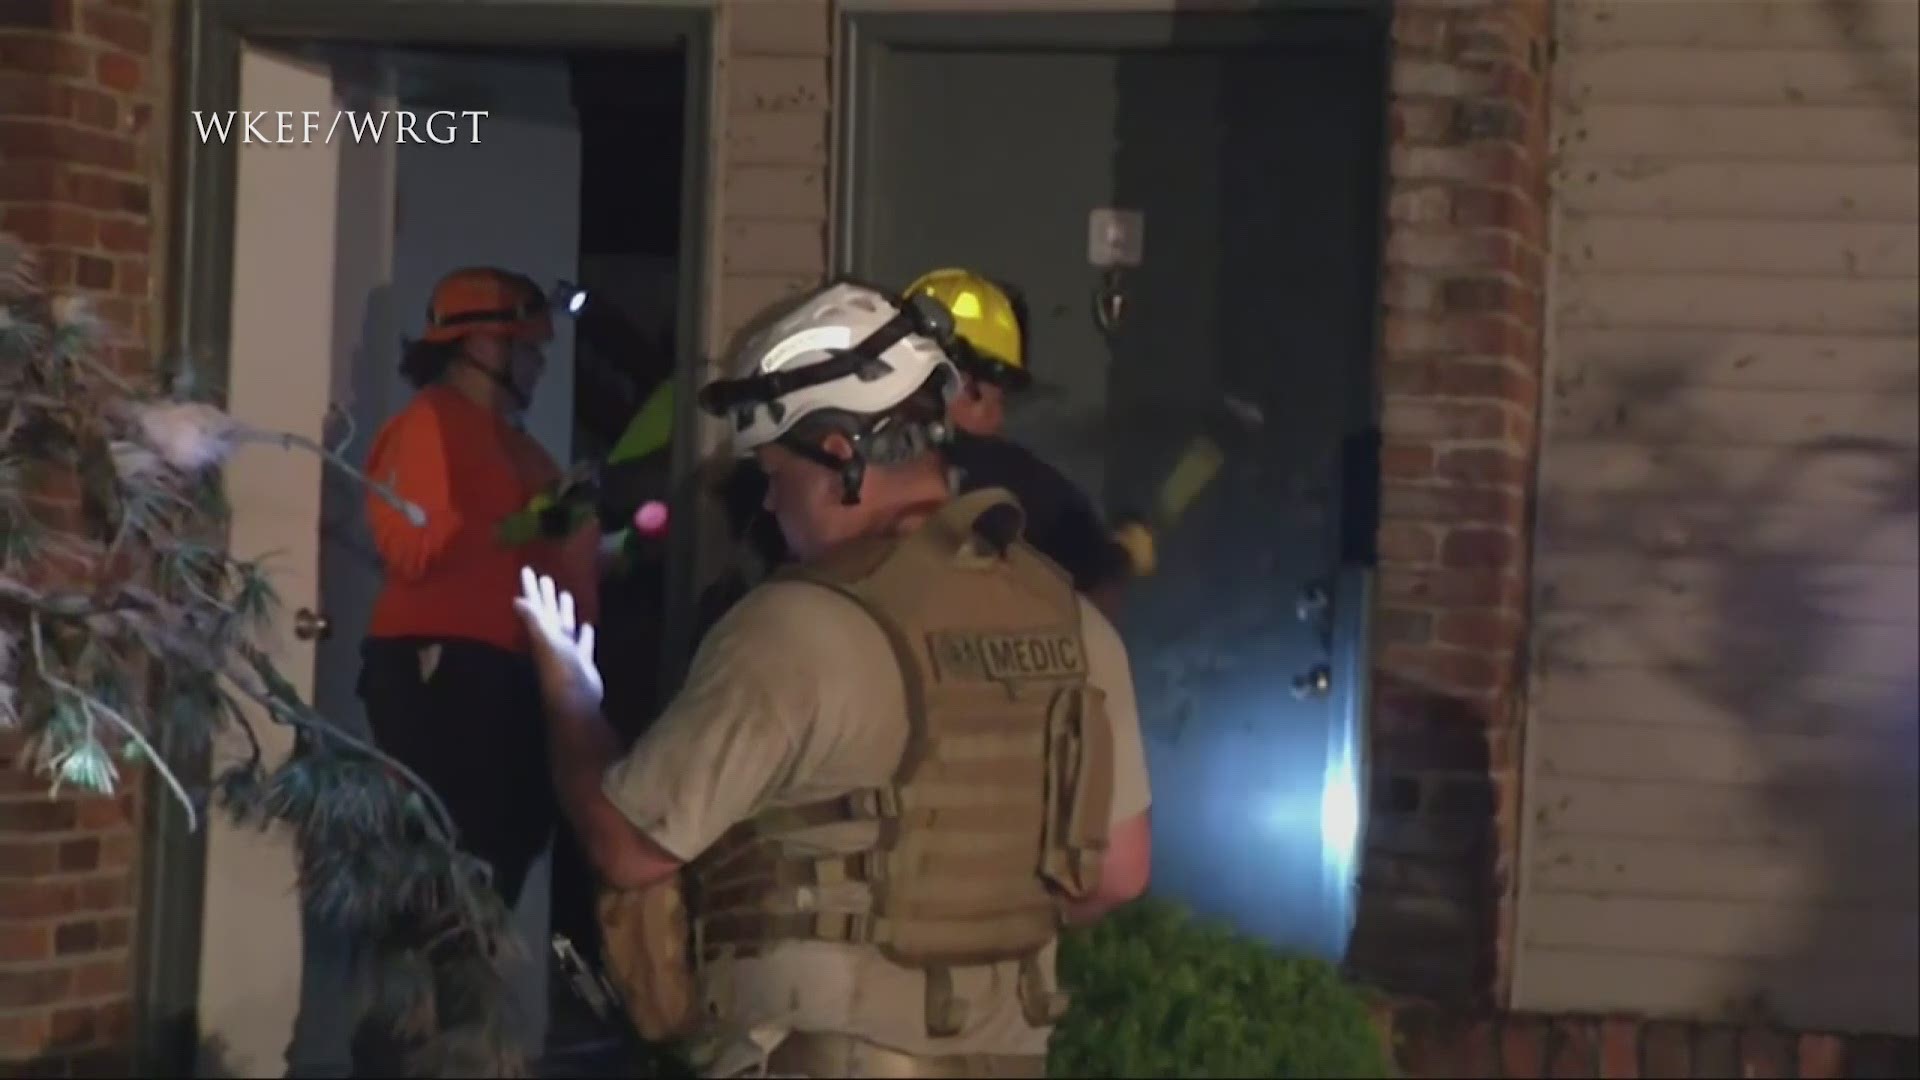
818,1054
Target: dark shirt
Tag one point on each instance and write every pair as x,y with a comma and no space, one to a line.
1061,521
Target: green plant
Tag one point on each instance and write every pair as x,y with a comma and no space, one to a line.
127,628
1157,992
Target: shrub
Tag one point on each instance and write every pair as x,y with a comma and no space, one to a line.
1157,992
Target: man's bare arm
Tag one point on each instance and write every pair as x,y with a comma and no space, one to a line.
583,747
1123,873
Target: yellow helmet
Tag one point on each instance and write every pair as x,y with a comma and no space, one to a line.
987,321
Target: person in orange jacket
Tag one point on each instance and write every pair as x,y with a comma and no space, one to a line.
446,675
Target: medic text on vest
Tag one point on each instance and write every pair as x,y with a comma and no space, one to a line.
1008,657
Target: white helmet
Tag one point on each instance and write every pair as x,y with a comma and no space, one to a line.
848,347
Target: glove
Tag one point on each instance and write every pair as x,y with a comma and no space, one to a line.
1136,541
562,650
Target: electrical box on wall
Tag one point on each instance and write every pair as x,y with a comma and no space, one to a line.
1116,239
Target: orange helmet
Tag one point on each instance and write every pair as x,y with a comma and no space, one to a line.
487,300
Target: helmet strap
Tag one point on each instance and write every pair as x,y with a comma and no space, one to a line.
518,395
852,470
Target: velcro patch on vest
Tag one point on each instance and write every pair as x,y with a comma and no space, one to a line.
1022,656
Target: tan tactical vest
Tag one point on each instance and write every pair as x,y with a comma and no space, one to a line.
996,817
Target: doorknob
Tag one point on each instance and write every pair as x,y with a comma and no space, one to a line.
1315,683
310,625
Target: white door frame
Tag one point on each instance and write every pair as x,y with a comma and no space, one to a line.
176,913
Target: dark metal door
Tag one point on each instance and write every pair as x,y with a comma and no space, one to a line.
1248,160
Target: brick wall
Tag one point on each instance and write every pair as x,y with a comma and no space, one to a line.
1459,375
80,153
1429,1044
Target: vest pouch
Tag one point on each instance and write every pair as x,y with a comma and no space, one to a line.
1079,798
647,946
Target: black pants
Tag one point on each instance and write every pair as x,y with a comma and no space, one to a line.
469,722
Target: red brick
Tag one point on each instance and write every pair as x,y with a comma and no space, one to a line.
31,95
1489,466
109,193
100,978
1620,1048
1498,208
1765,1055
93,108
1438,668
1418,31
1477,549
36,813
1430,205
28,858
115,933
1478,335
132,276
1410,290
1822,1057
109,893
76,937
46,139
1436,1044
56,272
71,1028
124,236
1422,122
1406,543
1499,380
25,941
1487,630
1418,419
24,1035
1523,1046
1477,294
93,272
118,72
1452,504
121,29
1406,461
116,851
31,53
29,181
26,988
100,812
1400,626
1572,1049
47,224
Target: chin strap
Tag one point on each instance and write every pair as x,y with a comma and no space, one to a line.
518,395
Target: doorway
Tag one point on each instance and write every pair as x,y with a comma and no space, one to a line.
1241,159
379,221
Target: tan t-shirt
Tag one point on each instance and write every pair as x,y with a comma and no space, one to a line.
796,696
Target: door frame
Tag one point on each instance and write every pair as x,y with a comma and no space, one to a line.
200,276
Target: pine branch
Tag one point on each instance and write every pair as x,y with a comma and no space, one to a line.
112,571
93,706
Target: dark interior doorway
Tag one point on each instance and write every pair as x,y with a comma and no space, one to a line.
631,111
